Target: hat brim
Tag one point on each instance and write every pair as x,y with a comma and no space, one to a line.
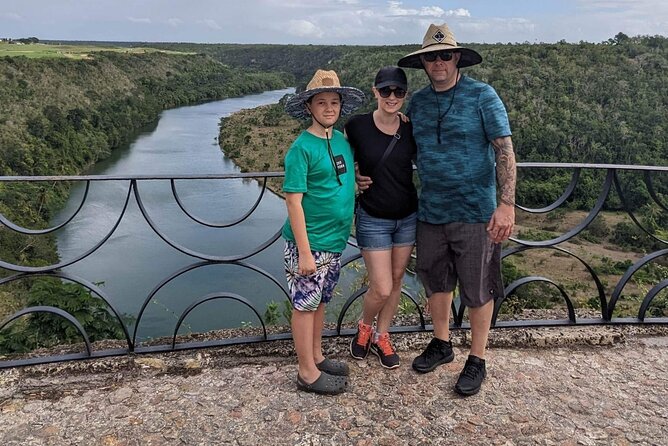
392,83
351,99
468,56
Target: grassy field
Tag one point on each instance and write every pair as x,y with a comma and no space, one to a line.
40,50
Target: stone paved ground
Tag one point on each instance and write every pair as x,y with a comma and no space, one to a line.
560,393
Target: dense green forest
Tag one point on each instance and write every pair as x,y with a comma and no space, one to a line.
586,102
59,116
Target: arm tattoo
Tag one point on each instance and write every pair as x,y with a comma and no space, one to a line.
506,172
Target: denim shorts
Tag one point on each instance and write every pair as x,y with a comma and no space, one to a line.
377,234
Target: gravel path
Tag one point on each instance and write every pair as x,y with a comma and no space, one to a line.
560,393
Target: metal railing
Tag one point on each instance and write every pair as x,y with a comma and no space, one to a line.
607,302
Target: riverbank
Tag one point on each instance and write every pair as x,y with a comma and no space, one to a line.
62,116
258,139
33,251
607,388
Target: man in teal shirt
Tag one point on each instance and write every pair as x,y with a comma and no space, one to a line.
464,148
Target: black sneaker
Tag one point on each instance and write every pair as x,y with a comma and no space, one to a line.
385,351
437,352
472,376
359,346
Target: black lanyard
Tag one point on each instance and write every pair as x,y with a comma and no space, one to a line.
441,117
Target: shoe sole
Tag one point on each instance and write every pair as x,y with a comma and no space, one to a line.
350,348
441,362
381,361
324,385
467,393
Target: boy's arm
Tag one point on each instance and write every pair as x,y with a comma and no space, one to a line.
293,201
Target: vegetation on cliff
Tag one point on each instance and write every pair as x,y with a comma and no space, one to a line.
586,103
60,116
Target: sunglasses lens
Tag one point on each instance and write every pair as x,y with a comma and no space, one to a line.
443,55
385,92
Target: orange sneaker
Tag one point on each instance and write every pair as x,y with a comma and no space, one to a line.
359,346
384,349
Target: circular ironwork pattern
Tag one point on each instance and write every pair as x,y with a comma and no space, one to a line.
607,305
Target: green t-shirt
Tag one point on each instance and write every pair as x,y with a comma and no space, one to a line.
328,205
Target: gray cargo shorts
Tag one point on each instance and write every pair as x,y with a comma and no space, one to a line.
452,253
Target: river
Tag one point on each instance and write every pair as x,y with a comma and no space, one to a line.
134,260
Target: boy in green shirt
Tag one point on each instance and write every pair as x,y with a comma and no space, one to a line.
319,189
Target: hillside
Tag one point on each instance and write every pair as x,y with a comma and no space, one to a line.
602,103
58,116
258,139
96,103
586,102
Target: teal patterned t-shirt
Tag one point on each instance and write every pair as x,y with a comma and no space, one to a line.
457,176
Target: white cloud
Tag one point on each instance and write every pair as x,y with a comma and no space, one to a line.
11,16
396,9
496,30
460,12
303,28
375,22
139,20
211,24
345,22
632,17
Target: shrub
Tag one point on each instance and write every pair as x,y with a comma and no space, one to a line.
45,330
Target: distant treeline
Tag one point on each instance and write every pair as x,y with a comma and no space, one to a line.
586,102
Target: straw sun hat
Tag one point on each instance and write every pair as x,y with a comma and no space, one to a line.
324,81
438,38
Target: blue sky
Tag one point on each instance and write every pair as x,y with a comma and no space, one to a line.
374,22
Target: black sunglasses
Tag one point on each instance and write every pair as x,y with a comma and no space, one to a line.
445,55
385,92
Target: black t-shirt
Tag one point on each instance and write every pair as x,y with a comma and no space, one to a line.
392,194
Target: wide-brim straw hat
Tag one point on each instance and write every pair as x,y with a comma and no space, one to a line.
438,38
324,81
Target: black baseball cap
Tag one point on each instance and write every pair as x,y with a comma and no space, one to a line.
391,77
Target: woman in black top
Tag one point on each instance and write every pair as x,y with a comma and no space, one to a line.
386,216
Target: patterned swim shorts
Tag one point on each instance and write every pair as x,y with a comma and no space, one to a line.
307,292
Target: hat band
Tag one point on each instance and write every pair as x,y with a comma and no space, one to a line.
441,43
